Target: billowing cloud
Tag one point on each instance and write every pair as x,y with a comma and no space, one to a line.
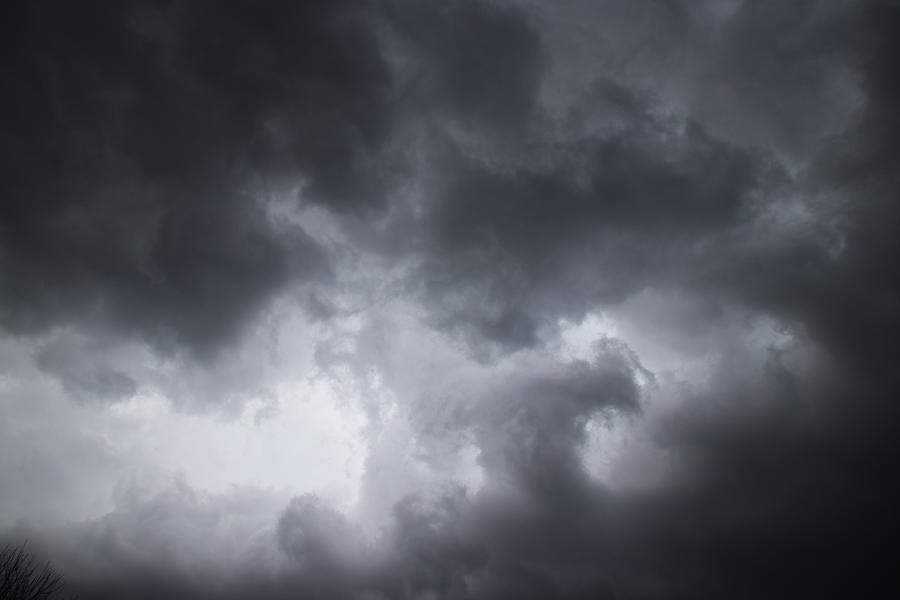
478,299
142,142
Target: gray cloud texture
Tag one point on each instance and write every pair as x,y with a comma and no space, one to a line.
445,195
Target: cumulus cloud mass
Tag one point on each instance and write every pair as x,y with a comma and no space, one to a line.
445,300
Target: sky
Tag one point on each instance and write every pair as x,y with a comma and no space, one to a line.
445,300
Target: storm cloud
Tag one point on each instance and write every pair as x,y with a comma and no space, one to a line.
488,299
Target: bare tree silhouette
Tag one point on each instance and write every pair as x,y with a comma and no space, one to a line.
23,577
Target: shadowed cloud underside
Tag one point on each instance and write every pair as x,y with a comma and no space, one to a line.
488,299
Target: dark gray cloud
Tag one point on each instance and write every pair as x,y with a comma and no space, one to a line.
139,141
512,248
474,61
716,179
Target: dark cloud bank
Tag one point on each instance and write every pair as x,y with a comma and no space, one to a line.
563,158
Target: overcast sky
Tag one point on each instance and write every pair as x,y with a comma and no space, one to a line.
451,299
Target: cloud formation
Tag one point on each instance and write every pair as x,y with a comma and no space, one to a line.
475,299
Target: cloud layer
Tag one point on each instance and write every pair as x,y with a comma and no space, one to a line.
472,299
